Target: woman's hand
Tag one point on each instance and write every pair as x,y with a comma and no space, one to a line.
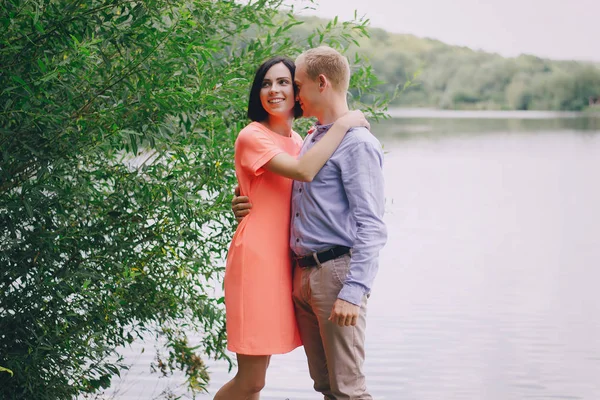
352,119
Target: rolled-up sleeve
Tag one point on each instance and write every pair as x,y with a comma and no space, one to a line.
362,177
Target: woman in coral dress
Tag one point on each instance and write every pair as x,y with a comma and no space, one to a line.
258,275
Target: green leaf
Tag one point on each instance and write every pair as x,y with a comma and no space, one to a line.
28,208
39,27
19,80
41,65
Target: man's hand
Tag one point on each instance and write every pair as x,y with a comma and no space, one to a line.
240,205
344,313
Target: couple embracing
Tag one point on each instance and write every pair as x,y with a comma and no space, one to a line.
303,259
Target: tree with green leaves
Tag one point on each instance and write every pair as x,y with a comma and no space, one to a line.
117,124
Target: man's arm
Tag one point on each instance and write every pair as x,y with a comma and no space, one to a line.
362,177
240,205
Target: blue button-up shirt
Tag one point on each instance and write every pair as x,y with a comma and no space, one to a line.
343,205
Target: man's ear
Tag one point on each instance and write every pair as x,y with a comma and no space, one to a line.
322,82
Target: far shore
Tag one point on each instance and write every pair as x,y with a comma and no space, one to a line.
402,112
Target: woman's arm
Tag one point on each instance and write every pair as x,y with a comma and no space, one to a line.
306,167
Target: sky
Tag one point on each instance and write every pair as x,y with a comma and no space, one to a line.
557,29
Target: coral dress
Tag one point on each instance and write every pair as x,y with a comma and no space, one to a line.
258,275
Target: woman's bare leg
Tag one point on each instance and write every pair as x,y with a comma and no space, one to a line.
249,380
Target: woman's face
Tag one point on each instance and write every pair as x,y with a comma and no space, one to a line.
277,92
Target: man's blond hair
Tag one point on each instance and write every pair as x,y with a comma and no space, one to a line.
329,62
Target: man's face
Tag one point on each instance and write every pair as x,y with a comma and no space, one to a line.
308,91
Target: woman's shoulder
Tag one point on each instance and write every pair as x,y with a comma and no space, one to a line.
253,128
251,131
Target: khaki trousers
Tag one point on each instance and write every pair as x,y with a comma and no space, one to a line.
335,354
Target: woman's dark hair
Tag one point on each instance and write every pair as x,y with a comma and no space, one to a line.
256,112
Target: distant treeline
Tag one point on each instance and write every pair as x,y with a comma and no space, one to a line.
454,77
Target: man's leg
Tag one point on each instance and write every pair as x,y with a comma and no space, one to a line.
344,346
310,333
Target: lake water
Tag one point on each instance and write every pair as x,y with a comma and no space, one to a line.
488,285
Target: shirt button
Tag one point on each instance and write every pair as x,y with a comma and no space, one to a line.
297,240
313,140
300,190
297,214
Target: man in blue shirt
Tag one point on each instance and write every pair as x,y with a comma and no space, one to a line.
337,231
